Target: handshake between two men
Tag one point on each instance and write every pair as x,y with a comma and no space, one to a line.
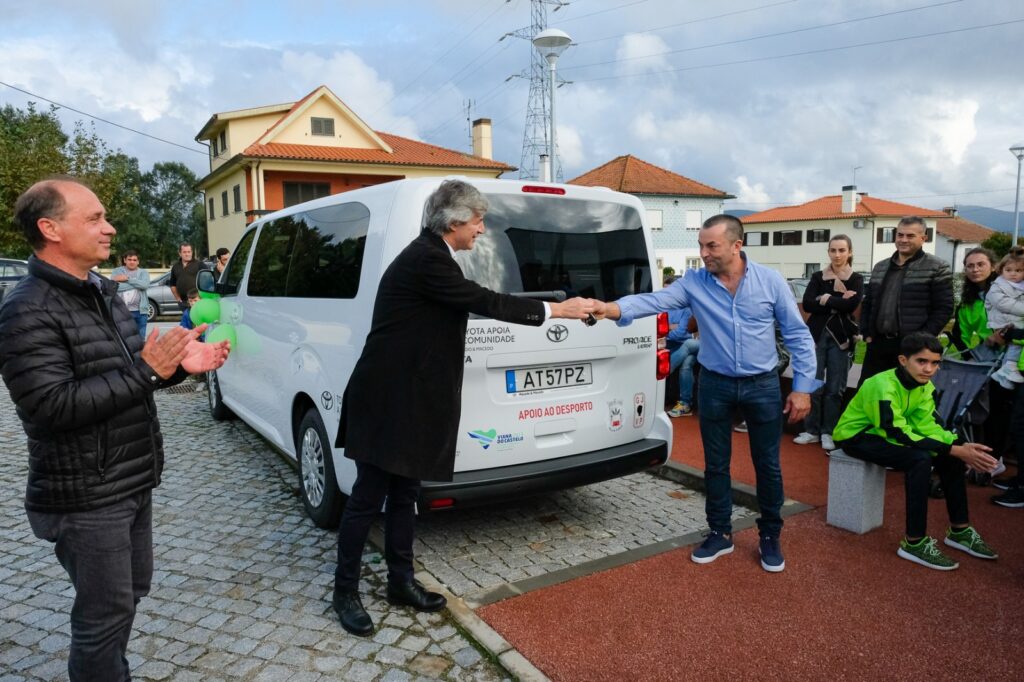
590,310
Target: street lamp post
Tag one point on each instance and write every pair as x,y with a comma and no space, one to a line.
551,43
1018,151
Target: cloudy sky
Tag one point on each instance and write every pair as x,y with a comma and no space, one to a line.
775,101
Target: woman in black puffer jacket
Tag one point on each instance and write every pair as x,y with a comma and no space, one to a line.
831,297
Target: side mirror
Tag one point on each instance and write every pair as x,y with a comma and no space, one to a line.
205,282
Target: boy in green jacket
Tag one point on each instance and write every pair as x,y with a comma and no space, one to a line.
891,422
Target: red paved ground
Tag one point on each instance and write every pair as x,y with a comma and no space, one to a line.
845,608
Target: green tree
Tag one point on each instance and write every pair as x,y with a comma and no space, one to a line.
174,208
120,185
1000,243
31,148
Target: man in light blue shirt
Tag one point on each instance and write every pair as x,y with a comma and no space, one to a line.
738,304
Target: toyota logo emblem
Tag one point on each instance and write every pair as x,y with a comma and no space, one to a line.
558,333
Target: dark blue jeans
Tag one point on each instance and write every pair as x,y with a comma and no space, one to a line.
140,322
373,485
108,554
827,401
759,400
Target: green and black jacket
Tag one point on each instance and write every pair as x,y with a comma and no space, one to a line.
895,407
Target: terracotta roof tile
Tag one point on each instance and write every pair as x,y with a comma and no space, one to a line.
406,153
962,230
634,176
829,207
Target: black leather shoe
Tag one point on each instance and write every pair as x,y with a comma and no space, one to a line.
354,617
413,594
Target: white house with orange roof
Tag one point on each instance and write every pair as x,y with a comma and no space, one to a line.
794,239
266,158
957,236
675,205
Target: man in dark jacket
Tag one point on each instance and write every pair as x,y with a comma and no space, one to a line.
415,349
910,292
82,380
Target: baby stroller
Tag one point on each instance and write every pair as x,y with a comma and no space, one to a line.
961,394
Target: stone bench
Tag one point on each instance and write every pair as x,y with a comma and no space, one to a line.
856,493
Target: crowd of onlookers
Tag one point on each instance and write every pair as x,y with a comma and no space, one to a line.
912,291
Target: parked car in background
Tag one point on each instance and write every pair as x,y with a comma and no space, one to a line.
11,272
161,300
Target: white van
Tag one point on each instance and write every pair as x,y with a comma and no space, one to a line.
544,407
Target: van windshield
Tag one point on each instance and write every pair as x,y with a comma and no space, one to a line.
594,249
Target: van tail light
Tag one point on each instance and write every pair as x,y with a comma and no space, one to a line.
662,325
541,189
442,503
664,364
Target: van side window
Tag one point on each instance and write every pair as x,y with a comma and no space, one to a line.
232,278
268,275
327,256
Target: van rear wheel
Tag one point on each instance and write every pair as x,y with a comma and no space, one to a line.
317,482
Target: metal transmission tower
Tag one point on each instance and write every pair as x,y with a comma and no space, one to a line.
535,134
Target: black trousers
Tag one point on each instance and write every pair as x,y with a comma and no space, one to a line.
882,354
916,465
108,554
372,487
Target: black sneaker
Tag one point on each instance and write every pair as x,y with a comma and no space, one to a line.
1013,498
1004,482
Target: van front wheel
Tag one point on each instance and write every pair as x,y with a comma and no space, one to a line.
319,487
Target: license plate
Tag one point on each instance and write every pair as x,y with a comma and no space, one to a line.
556,376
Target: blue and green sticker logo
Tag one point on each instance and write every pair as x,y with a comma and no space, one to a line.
500,441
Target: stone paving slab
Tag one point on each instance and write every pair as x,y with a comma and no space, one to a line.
242,583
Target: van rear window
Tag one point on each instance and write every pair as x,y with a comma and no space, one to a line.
594,249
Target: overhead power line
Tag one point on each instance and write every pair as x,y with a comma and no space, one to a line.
602,11
664,27
107,121
764,36
804,52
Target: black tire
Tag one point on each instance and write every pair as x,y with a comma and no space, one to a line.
152,311
317,482
218,409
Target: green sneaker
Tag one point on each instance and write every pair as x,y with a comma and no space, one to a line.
968,540
925,552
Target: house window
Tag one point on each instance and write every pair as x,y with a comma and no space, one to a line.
755,239
237,191
212,215
654,219
787,238
224,202
299,192
817,236
213,147
928,234
810,269
693,263
885,235
694,220
223,141
323,126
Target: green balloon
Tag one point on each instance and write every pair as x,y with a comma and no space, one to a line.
222,332
209,295
205,311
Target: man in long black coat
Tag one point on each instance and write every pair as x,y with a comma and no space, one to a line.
415,349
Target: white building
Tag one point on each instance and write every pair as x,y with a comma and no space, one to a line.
794,239
676,205
957,236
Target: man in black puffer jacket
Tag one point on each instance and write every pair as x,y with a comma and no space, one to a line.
910,292
82,380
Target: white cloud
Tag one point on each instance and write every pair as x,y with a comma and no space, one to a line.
641,52
751,193
570,147
355,82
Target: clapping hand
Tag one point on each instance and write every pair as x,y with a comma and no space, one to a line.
178,346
